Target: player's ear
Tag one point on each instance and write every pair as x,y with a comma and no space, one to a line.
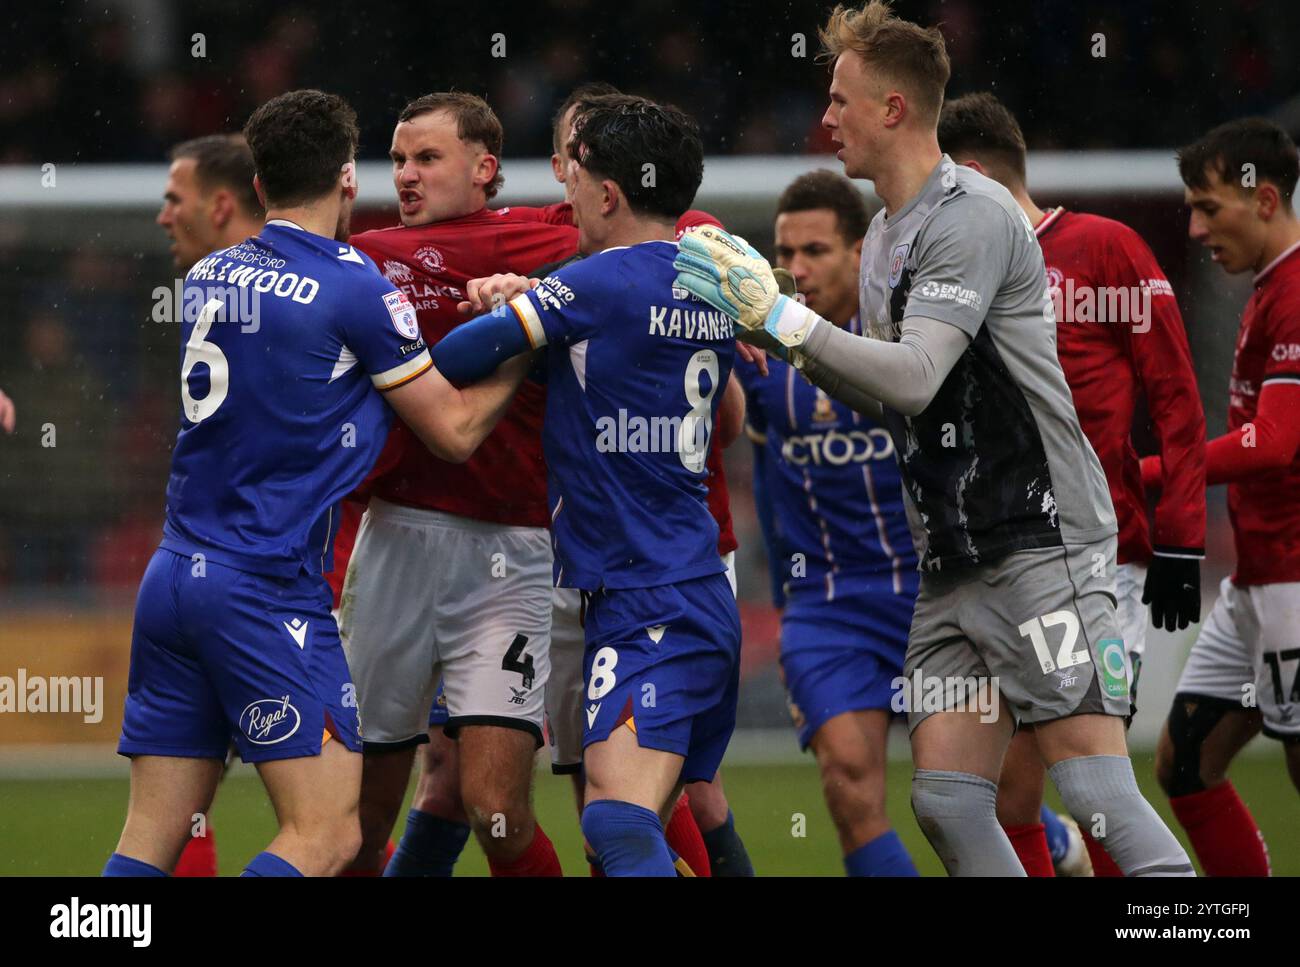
973,165
223,208
261,192
557,168
1267,200
613,197
488,165
348,180
895,109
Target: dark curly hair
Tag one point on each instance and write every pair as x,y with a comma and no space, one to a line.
300,142
653,152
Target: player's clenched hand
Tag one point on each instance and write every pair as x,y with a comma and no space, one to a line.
7,413
484,295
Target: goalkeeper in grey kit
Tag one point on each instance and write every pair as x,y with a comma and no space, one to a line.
1008,504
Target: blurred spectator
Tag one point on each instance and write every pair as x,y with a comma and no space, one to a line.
738,74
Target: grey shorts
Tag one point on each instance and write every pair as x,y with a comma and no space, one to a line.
1035,630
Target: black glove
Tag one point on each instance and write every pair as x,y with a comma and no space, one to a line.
1173,590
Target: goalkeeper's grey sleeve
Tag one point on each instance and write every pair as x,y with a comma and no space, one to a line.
903,375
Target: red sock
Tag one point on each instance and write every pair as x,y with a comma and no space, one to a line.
538,859
684,839
1223,832
388,855
1102,864
199,857
1030,844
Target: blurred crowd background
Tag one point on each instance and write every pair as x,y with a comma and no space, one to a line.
117,81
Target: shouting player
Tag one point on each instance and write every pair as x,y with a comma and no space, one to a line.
634,373
1118,334
450,577
208,204
281,416
1243,673
838,545
1009,509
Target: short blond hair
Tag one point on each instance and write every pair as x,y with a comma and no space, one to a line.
912,56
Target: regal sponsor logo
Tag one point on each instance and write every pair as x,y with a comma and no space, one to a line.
269,720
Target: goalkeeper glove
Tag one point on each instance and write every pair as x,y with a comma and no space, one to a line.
729,274
1173,589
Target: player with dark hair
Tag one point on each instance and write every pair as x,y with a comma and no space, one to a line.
281,416
827,491
209,201
1009,509
630,521
449,580
1118,335
1243,673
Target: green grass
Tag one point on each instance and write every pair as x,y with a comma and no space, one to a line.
69,826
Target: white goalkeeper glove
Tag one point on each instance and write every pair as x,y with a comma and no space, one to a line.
729,274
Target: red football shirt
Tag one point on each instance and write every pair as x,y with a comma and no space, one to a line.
1265,509
505,480
1112,349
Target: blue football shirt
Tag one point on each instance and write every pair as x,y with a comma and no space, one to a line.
286,338
635,366
834,486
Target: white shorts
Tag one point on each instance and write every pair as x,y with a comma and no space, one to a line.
431,596
1248,651
1133,618
564,690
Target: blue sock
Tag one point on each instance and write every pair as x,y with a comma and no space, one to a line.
1058,837
727,854
268,864
119,865
429,847
883,856
629,839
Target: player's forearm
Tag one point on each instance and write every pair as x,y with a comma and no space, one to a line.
1267,443
830,383
905,376
472,351
475,410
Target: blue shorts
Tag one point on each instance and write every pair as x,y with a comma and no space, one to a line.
842,656
665,661
218,653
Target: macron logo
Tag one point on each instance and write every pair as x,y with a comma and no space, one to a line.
348,254
298,630
592,711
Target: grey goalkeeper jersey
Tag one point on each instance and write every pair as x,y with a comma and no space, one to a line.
996,463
